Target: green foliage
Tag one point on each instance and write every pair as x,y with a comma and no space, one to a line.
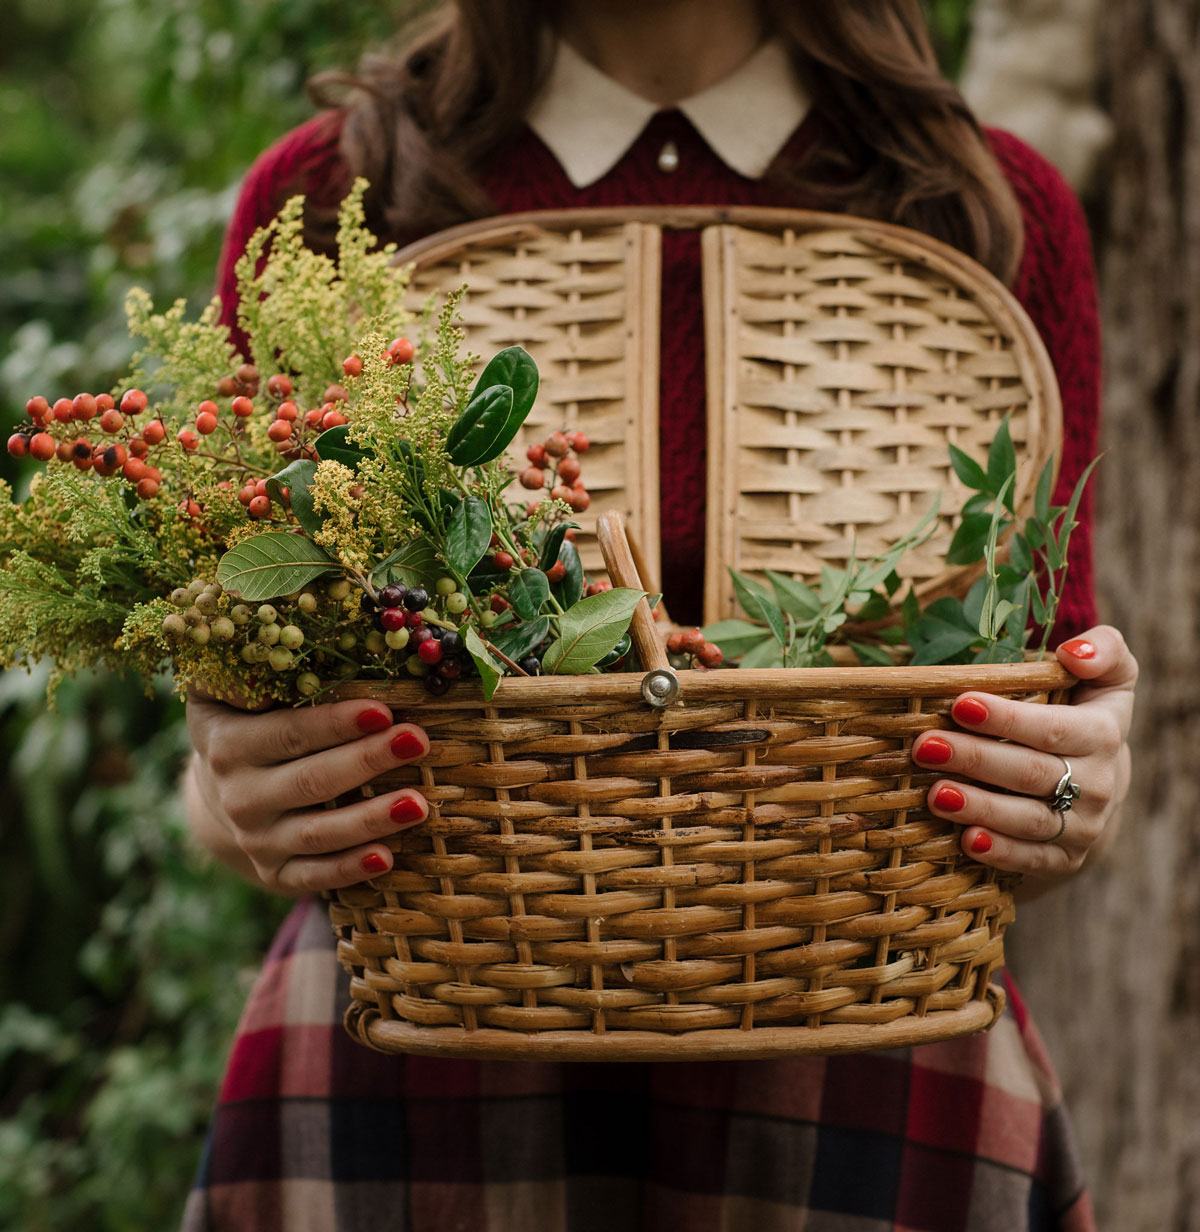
127,956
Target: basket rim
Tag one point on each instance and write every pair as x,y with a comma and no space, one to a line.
774,684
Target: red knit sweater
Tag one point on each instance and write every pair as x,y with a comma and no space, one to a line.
1056,284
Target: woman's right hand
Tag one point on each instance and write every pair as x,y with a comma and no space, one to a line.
259,780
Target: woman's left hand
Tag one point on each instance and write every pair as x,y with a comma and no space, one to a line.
1022,747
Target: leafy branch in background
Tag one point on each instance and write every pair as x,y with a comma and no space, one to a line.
792,624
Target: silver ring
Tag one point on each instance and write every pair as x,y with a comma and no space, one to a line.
1067,791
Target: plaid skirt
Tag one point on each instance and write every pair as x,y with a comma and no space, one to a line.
316,1133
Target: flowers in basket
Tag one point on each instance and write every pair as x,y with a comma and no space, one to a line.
354,515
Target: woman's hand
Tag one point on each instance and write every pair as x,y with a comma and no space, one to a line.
258,783
1020,833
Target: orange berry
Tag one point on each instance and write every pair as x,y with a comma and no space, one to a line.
333,419
259,507
155,432
104,402
401,351
188,439
134,470
65,450
557,445
579,500
147,488
280,430
579,442
18,445
568,470
279,386
313,418
352,366
64,408
38,409
138,447
336,393
533,478
112,421
206,423
247,494
710,655
42,446
289,411
134,402
692,641
536,454
242,407
83,407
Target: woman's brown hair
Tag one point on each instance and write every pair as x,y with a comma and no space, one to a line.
899,143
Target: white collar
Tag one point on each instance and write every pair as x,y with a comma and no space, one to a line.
589,121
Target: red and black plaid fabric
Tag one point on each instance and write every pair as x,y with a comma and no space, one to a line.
315,1133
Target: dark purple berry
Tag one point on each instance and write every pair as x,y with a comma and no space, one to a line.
367,603
452,643
450,668
438,685
392,596
438,632
422,633
417,599
532,664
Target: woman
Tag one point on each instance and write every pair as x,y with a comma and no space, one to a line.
497,108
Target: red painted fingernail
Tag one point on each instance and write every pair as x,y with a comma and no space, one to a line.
950,800
982,842
970,711
373,721
934,751
374,863
406,809
406,746
1081,648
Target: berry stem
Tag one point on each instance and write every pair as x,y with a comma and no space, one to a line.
516,667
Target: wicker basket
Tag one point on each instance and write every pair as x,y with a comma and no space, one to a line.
722,864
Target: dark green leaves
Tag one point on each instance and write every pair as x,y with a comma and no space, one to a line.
334,445
270,565
297,478
490,668
527,591
522,639
590,629
468,535
568,591
499,404
553,542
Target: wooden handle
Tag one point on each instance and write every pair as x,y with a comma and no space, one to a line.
619,560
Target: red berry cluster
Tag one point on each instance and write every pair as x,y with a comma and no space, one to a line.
61,432
564,482
687,647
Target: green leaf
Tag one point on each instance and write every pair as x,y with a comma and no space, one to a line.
945,643
515,368
950,610
1004,609
978,504
415,563
876,607
468,535
652,601
758,603
872,656
1037,605
969,471
333,445
765,654
736,637
527,592
1002,461
297,478
522,639
972,606
1045,489
1073,507
567,592
910,610
485,419
967,545
589,630
555,538
266,566
490,669
1019,554
794,596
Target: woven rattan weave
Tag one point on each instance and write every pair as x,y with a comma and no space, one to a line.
750,870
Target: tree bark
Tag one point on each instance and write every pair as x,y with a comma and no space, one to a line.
1112,965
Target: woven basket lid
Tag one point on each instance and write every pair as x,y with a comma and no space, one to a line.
844,356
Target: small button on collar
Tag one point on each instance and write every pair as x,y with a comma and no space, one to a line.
668,157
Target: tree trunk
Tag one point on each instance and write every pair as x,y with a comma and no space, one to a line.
1112,965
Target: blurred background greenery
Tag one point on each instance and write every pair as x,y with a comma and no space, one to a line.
125,956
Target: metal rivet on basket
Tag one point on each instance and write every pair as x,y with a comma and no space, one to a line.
660,687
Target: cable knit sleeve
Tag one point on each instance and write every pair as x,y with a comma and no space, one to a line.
306,160
1057,286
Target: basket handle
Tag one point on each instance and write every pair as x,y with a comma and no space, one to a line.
622,560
